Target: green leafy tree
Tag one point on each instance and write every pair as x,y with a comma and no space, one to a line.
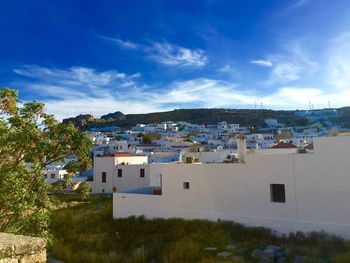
149,138
84,190
59,186
31,139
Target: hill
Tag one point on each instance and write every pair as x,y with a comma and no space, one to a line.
245,117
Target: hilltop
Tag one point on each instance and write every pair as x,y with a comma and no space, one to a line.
245,117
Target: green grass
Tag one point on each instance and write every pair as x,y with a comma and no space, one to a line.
86,232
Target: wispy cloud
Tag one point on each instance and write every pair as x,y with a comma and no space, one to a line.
77,90
121,43
265,63
299,3
338,64
77,76
285,72
225,69
170,54
166,53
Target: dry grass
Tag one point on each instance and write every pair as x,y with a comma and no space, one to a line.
86,232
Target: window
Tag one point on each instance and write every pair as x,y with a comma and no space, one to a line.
142,172
104,175
52,176
186,185
120,173
45,176
278,193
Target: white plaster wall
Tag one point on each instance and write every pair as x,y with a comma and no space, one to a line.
132,159
130,176
317,191
103,164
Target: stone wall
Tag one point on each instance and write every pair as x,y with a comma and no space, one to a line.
21,249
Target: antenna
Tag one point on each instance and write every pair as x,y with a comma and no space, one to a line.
329,104
309,105
255,104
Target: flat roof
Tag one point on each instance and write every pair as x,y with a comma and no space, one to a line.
120,154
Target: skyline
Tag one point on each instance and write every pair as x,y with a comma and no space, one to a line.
146,57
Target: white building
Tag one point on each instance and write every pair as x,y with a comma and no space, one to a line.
120,170
284,191
54,173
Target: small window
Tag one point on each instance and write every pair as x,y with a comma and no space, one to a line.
186,185
45,176
104,175
120,173
278,193
52,176
142,172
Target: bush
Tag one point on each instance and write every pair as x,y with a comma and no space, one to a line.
84,190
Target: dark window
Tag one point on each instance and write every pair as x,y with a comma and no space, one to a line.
120,173
104,175
52,176
278,193
186,185
142,172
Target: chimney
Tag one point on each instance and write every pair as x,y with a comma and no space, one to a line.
241,147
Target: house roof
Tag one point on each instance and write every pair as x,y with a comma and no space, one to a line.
283,145
120,154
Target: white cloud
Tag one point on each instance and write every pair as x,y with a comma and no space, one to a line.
121,43
299,3
166,53
77,76
225,69
338,65
265,63
285,72
68,92
169,54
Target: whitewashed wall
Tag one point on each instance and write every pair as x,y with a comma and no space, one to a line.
317,191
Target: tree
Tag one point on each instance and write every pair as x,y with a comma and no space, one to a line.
148,138
31,139
59,186
83,190
333,132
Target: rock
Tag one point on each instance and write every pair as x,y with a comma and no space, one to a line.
18,248
210,249
100,207
262,255
241,250
223,254
237,258
230,247
298,259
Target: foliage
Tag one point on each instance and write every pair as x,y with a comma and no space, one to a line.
149,138
59,186
302,122
333,132
31,139
84,190
96,237
118,138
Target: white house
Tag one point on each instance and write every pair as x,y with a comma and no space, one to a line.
120,170
54,173
286,191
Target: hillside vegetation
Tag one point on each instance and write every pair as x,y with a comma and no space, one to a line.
245,117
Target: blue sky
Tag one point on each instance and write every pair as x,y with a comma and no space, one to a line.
144,56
